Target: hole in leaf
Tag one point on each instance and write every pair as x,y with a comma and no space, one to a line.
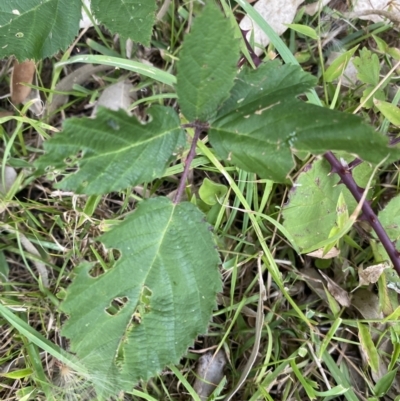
96,271
115,255
72,160
143,305
116,305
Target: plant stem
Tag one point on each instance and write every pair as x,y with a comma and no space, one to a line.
192,153
348,180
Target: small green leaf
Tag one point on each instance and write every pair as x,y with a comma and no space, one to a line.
18,374
335,70
368,346
210,192
113,151
304,30
207,64
310,212
384,383
390,220
389,110
379,95
35,29
129,18
162,290
367,65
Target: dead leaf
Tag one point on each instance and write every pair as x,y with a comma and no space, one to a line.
313,8
341,296
367,303
319,253
22,74
276,13
376,10
209,372
115,97
10,175
371,274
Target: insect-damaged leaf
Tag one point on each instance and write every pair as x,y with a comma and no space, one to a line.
117,151
262,123
35,29
207,65
163,289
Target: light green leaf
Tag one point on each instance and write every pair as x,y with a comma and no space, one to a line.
35,29
210,192
310,212
368,346
163,290
390,220
129,18
379,95
335,70
367,65
113,151
389,110
262,123
207,64
385,383
304,30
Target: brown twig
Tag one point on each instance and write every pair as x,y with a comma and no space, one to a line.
199,128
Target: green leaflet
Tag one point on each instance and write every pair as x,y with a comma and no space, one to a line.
167,277
118,151
390,220
129,18
207,64
37,29
262,123
310,213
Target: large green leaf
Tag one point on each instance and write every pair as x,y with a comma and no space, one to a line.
36,29
167,277
129,18
113,151
207,64
310,212
262,123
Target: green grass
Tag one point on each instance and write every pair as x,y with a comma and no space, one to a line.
299,343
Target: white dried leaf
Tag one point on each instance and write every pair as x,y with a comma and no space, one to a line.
341,296
115,97
85,21
372,273
361,6
209,372
277,13
10,175
319,253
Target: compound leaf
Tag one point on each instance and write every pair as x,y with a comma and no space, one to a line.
144,312
113,151
262,123
310,213
207,65
129,18
35,29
